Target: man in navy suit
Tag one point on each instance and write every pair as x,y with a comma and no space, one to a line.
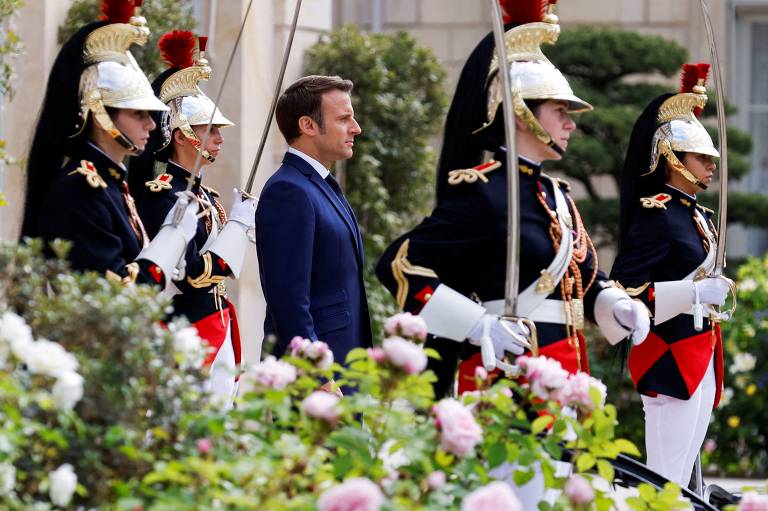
308,242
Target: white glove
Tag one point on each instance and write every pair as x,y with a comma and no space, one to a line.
243,210
634,317
188,224
712,291
504,335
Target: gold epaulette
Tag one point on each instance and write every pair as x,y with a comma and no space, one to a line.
458,176
206,278
401,267
705,210
88,169
656,201
160,183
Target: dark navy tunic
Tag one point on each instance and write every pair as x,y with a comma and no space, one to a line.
464,242
88,204
203,271
665,243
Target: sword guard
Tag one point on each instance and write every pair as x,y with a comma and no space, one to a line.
525,324
715,314
245,195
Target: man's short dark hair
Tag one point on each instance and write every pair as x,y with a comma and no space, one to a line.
305,97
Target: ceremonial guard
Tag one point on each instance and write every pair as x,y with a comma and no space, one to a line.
95,113
217,251
451,268
667,250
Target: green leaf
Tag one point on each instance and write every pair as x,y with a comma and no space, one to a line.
605,469
356,354
497,454
626,447
585,461
636,503
443,459
541,423
523,476
342,465
647,492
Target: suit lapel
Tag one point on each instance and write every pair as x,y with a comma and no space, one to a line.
346,215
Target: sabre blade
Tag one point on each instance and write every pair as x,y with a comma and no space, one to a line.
275,96
198,158
722,210
513,186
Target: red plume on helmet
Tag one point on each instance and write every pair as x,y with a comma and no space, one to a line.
117,11
694,74
178,48
520,12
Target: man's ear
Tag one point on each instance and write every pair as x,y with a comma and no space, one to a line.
307,126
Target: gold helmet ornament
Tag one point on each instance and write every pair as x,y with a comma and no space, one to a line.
532,75
679,127
179,89
113,78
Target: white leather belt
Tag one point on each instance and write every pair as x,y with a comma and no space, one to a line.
549,311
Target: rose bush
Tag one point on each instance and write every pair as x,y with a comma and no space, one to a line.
738,435
117,420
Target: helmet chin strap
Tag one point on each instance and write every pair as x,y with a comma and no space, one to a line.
527,116
94,104
190,135
677,165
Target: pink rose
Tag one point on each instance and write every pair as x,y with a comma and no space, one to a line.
710,446
576,392
436,479
204,445
377,355
459,433
545,376
274,373
481,373
322,405
406,325
404,354
579,491
317,352
356,494
297,345
751,501
496,496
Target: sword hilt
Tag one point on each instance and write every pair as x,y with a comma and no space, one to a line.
714,312
251,231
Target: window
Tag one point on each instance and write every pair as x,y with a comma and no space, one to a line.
749,76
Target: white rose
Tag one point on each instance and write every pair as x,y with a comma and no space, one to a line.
63,484
748,285
743,363
15,331
7,478
48,358
68,390
188,344
726,397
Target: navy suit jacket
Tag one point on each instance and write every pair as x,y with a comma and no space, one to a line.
310,261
